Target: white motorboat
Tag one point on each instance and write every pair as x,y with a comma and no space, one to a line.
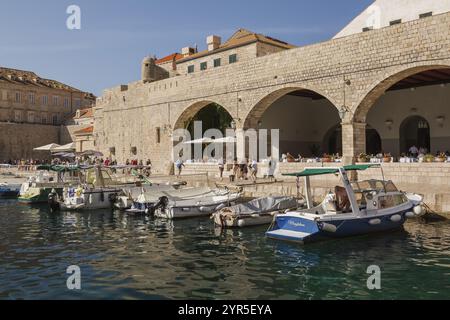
196,202
138,199
256,212
353,209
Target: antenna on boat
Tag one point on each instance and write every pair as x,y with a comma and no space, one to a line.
384,179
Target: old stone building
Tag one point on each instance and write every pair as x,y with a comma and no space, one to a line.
32,112
376,90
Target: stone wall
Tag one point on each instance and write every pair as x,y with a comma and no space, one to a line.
18,140
353,71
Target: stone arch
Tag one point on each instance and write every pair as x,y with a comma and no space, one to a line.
255,113
189,112
368,99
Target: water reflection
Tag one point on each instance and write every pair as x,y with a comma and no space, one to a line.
136,257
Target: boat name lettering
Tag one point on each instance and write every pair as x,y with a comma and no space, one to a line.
296,224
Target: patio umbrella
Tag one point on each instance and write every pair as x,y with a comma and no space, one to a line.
65,148
199,141
92,153
225,140
48,147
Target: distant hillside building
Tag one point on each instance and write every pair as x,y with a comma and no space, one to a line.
32,110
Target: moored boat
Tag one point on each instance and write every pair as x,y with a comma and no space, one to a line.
179,206
37,188
9,190
97,190
256,212
353,209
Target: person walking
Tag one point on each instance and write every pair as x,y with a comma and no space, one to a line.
254,170
221,168
179,164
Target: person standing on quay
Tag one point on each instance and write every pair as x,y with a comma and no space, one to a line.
221,168
254,170
179,164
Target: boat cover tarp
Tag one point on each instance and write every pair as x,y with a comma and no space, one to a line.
186,194
263,205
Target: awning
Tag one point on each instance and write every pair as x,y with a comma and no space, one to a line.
323,171
225,140
92,153
65,148
58,168
199,141
48,147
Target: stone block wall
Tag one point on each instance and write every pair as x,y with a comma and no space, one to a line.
18,140
369,62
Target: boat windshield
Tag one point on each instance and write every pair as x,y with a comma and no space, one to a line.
374,185
91,178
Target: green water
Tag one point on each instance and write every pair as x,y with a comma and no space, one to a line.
126,257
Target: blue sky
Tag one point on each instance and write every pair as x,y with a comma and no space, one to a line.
116,35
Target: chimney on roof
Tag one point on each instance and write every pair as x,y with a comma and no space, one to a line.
213,42
188,51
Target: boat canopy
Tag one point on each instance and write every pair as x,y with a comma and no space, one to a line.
59,168
322,171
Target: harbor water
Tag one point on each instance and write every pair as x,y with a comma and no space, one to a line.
136,257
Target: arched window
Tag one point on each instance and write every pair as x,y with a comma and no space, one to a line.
414,131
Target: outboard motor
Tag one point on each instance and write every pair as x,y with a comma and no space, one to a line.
112,197
53,201
161,204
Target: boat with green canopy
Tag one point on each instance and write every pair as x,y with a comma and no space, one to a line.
350,209
48,178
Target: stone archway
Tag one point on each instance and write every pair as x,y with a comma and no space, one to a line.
377,89
190,111
420,90
302,116
214,119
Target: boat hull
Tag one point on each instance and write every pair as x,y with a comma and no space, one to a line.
242,221
305,230
38,196
90,200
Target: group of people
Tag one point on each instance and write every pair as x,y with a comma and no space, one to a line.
420,152
242,170
25,165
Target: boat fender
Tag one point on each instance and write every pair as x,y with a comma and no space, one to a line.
328,227
375,222
102,196
409,214
418,210
90,198
220,206
204,209
396,218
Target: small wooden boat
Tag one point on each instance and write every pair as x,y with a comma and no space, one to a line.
256,212
353,209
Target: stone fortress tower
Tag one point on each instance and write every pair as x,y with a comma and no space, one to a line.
150,72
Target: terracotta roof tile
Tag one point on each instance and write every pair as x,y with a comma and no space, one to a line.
173,56
240,38
30,78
